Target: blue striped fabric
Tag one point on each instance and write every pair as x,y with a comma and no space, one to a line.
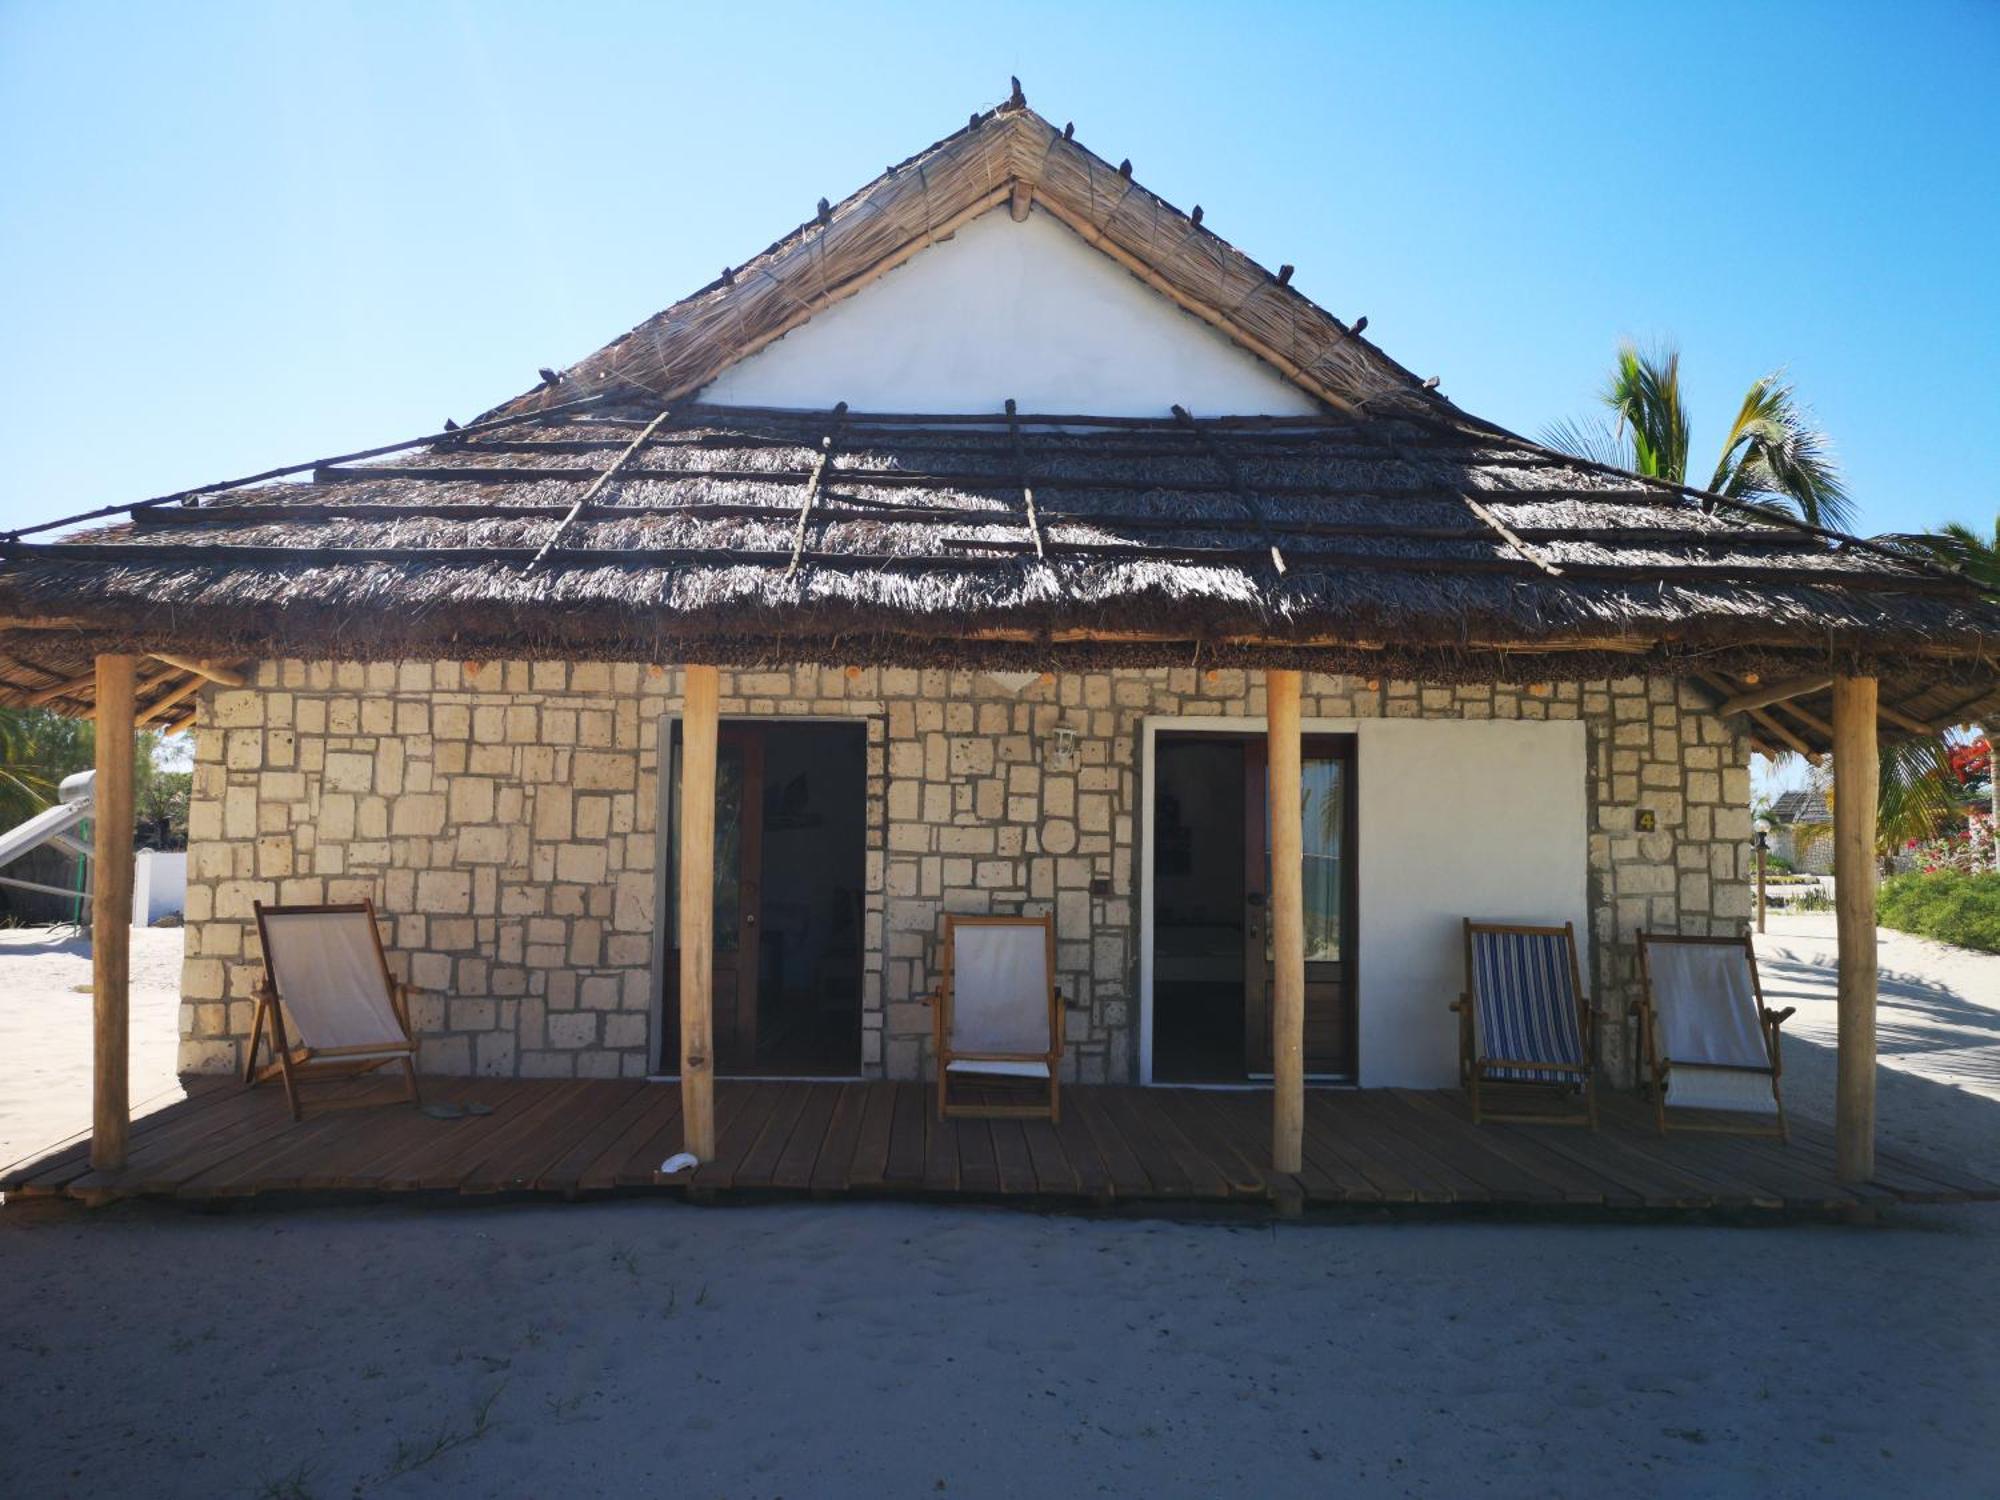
1525,1003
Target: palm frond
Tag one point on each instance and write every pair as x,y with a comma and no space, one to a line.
1920,795
1645,392
1594,438
1959,546
1775,452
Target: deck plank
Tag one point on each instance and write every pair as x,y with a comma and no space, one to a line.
1080,1153
1125,1177
834,1171
1010,1155
1054,1174
794,1170
563,1172
908,1140
870,1162
513,1168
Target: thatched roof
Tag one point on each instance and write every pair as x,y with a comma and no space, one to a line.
604,516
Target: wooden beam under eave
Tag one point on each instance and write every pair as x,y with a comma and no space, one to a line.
1022,201
1775,692
111,915
193,684
1288,923
226,676
1856,769
1784,735
700,726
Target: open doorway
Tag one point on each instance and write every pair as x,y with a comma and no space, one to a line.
1212,954
790,854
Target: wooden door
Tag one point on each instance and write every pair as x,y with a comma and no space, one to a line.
1327,786
739,857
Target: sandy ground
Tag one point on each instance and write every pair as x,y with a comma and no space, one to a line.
645,1347
45,1031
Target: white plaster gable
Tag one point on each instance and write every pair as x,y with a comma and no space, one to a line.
1002,309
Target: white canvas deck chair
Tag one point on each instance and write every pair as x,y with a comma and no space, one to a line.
1706,1038
1523,1019
998,1013
325,971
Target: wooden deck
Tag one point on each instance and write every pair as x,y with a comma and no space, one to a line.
1386,1148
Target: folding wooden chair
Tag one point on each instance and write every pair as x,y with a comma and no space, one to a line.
324,969
998,1012
1706,1039
1523,1020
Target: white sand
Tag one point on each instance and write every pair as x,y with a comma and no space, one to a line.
838,1349
45,1046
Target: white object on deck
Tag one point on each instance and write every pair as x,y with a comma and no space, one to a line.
680,1161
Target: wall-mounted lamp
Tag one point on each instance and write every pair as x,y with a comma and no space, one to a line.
1059,750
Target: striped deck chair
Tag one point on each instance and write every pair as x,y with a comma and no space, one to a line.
1523,1020
324,969
1706,1039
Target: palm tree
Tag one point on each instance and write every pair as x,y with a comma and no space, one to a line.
1978,558
38,749
1772,455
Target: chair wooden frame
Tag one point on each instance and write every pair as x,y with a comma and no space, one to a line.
1656,1066
298,1065
1473,1069
939,1001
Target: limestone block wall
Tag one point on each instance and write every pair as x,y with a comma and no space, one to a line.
504,818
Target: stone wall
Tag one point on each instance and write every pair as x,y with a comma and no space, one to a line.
504,819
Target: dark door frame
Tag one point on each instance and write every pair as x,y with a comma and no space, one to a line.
663,1042
1152,729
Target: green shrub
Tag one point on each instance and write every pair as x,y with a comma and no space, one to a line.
1953,908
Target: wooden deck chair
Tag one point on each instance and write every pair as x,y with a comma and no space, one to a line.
1706,1039
1523,1019
998,1012
324,969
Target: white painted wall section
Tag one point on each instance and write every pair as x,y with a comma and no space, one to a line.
1003,309
1482,819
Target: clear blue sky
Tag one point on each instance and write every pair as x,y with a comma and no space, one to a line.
238,236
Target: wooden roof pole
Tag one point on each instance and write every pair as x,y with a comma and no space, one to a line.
596,485
699,729
1288,923
448,435
815,482
1021,472
1233,478
1856,767
111,915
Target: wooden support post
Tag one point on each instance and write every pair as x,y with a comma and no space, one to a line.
1763,840
1856,767
111,914
1288,924
697,910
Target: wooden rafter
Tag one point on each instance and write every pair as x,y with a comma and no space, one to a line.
829,440
596,487
225,676
1233,483
1774,692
